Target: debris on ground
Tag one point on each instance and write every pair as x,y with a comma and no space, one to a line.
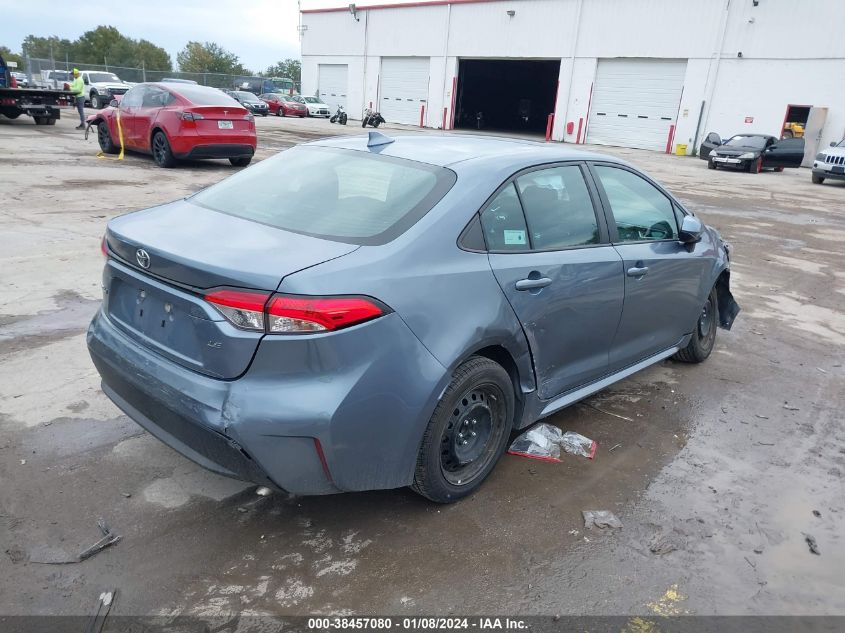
615,415
816,513
613,448
544,441
663,545
813,545
601,519
51,556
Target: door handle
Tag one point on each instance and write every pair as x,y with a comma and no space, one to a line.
532,284
637,271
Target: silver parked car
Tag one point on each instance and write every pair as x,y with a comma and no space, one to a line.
390,310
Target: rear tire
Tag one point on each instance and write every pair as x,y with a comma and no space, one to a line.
162,154
778,169
241,161
467,432
788,134
704,337
344,118
817,180
279,112
105,140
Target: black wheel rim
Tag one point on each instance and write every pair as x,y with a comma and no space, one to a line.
472,435
706,323
103,136
159,148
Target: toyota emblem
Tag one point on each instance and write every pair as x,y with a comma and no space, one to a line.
143,258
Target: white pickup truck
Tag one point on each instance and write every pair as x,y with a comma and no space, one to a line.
101,87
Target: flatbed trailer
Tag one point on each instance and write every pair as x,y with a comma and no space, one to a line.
44,106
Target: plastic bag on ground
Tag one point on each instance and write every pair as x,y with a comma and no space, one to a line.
577,444
544,441
539,442
601,519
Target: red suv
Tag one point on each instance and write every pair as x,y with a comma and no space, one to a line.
284,105
178,121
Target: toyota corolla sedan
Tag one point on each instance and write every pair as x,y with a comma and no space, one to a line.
174,121
389,311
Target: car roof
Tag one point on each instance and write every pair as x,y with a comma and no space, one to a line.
447,150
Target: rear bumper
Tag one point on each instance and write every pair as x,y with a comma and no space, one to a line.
363,396
218,150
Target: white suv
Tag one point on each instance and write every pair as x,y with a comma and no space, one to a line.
101,87
830,163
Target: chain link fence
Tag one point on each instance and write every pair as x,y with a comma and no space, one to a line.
47,73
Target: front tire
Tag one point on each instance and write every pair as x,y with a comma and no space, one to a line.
467,432
96,101
711,164
241,161
755,167
817,180
162,154
105,140
704,337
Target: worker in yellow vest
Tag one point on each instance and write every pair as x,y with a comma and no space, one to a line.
77,87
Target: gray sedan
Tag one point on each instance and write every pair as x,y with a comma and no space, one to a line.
364,313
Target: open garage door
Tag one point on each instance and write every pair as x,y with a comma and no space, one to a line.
635,102
507,95
332,83
404,88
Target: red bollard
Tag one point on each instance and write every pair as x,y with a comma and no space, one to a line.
549,124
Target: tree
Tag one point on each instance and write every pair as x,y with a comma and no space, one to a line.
9,56
102,45
208,57
290,68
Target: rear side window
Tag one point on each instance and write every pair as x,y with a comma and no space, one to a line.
641,211
503,222
342,195
558,208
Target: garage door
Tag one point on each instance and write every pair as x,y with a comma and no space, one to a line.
332,83
404,88
635,102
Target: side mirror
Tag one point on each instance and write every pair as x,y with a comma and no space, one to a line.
691,230
114,103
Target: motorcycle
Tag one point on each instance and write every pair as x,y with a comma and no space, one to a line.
339,117
372,118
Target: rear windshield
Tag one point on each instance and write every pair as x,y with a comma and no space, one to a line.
341,195
202,95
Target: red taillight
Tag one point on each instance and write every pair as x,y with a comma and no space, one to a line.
191,116
243,308
288,314
104,247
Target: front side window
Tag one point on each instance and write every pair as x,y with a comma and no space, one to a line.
342,195
641,211
558,208
504,223
133,97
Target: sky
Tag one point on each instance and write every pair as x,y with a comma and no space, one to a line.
260,32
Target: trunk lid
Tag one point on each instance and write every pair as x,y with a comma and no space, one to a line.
213,115
190,249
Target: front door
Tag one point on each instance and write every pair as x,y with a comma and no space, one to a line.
550,254
663,277
710,143
787,152
128,108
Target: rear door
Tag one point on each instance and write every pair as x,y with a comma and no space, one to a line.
154,99
549,252
662,275
787,152
711,142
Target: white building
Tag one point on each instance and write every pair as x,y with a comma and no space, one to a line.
637,73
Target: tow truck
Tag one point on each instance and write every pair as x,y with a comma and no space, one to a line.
42,105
